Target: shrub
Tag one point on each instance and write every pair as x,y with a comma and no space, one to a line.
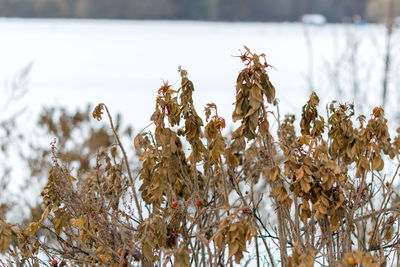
323,196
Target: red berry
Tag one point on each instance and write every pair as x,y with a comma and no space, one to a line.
174,204
246,209
352,261
91,214
54,263
198,203
126,253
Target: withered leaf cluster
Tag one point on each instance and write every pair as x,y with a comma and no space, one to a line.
322,195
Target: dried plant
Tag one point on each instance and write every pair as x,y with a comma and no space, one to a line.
200,198
13,92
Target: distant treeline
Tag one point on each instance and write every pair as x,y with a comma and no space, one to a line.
218,10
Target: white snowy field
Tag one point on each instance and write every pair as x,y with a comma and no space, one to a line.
123,63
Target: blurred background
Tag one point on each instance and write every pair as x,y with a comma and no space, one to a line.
215,10
94,48
59,58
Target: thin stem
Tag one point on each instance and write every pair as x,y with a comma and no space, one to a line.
139,208
257,251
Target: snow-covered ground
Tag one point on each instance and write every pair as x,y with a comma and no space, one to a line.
123,63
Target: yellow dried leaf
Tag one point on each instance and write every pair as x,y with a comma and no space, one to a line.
274,173
299,173
303,216
324,200
264,127
147,251
364,163
377,163
322,209
305,187
233,248
232,159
